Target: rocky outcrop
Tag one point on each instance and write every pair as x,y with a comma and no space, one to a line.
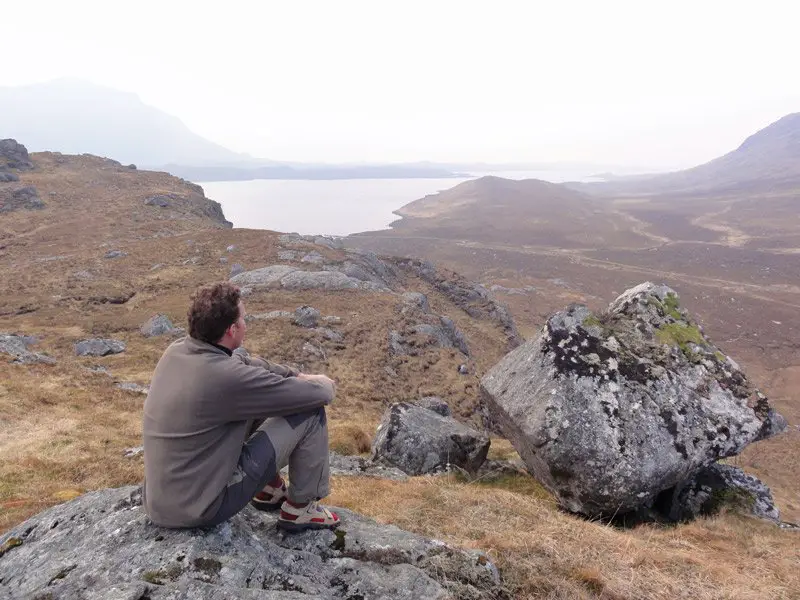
160,325
194,202
24,198
417,441
17,347
293,278
434,331
610,410
102,546
115,254
358,466
435,404
99,347
415,302
471,297
718,486
14,155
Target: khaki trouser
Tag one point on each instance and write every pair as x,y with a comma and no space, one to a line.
299,441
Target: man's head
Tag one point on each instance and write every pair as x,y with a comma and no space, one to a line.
217,315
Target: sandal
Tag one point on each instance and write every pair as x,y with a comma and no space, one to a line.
311,516
270,498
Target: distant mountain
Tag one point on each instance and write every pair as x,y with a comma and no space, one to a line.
770,157
76,117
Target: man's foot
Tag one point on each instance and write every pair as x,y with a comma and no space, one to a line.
271,497
310,516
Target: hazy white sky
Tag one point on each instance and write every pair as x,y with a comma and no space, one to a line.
639,83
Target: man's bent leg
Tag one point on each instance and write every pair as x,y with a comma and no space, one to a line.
299,440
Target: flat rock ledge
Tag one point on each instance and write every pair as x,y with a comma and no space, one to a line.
102,546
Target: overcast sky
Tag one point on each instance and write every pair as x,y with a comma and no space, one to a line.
662,84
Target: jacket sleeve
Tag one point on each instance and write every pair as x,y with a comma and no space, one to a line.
257,361
252,392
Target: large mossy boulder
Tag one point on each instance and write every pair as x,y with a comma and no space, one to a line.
609,410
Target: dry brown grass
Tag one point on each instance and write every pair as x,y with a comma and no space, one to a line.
545,553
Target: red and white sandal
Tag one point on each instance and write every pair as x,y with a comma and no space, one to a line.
311,516
270,498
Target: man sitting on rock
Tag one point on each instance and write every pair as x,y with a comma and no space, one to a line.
219,426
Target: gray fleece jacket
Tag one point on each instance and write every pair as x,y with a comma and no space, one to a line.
195,421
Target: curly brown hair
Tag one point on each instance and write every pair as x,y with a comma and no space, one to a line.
214,308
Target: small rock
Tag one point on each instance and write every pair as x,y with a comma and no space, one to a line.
223,259
17,347
230,248
133,452
236,268
362,467
330,334
463,369
160,325
306,316
162,200
316,351
129,386
99,347
419,441
435,404
274,314
415,300
85,275
115,254
22,198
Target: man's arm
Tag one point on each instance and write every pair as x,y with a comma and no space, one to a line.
252,392
257,361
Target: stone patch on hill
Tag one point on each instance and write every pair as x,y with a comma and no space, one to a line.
102,545
194,202
17,347
160,325
23,198
293,278
14,155
99,347
471,297
611,411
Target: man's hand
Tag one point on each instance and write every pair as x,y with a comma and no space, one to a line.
323,379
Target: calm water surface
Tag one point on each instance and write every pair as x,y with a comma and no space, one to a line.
338,207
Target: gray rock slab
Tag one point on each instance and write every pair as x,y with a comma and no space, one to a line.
102,545
99,347
17,347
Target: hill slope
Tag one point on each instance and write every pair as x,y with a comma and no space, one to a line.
769,158
493,209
